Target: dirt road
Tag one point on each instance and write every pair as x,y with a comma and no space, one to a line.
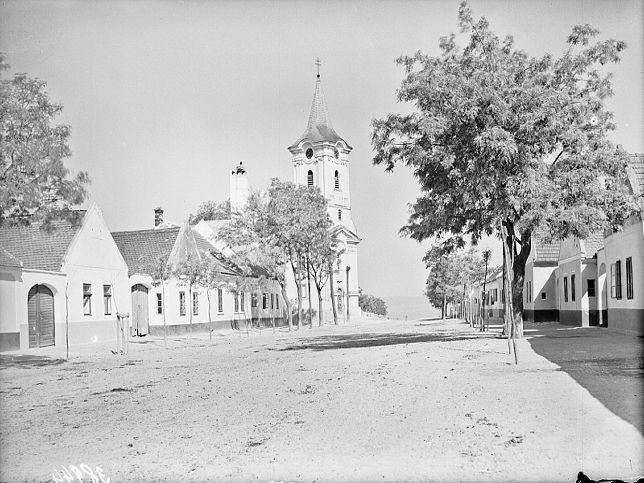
378,401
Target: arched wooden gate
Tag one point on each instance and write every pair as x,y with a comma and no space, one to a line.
40,316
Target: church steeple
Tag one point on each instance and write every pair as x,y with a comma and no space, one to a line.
319,128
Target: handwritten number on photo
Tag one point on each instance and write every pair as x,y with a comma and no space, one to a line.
79,473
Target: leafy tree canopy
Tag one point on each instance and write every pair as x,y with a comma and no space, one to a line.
500,139
211,210
34,183
371,304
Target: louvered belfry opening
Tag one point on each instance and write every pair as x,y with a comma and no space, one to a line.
40,316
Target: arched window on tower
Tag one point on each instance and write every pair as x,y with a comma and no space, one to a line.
309,178
337,180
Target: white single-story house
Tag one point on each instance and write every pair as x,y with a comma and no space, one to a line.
60,286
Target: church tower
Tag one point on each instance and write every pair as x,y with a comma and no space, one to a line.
321,158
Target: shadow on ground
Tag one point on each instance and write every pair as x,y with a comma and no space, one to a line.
609,365
28,361
352,341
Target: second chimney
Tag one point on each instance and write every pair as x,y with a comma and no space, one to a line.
158,216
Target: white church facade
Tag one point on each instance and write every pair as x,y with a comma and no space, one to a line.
320,158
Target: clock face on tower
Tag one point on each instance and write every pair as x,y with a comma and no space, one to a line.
309,153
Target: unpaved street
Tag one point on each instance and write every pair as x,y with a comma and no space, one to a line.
376,401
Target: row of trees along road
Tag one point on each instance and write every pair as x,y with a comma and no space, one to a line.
452,277
505,143
35,185
372,304
286,227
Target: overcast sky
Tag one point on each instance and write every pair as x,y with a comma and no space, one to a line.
165,97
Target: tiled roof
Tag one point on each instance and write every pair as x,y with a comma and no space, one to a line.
7,259
319,127
636,174
143,248
593,242
39,249
545,251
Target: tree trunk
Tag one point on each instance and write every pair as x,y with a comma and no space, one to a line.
189,304
308,285
335,311
444,307
298,288
209,316
165,327
320,317
289,315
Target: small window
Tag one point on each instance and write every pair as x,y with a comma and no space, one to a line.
220,300
87,299
195,303
242,302
159,303
616,280
182,303
264,301
572,287
591,287
565,288
339,214
629,278
309,178
543,295
272,301
107,299
277,302
236,302
253,300
337,180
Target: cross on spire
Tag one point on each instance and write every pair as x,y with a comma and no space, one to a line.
318,64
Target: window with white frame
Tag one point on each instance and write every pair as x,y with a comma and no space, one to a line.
573,287
195,303
107,299
182,303
87,299
220,300
159,303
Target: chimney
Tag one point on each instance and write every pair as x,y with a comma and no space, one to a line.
238,188
158,216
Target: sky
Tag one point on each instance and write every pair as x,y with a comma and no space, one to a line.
165,97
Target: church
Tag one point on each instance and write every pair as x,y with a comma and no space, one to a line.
320,158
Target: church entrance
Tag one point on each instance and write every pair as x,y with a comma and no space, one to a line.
140,322
40,316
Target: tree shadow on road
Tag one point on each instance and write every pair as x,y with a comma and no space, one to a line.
28,361
352,341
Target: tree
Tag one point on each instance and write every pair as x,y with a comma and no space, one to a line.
190,272
212,277
451,275
254,242
211,210
160,272
502,142
320,244
371,304
34,182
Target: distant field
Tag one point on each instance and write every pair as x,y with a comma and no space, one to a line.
413,307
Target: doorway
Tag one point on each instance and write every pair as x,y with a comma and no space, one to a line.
140,321
40,316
